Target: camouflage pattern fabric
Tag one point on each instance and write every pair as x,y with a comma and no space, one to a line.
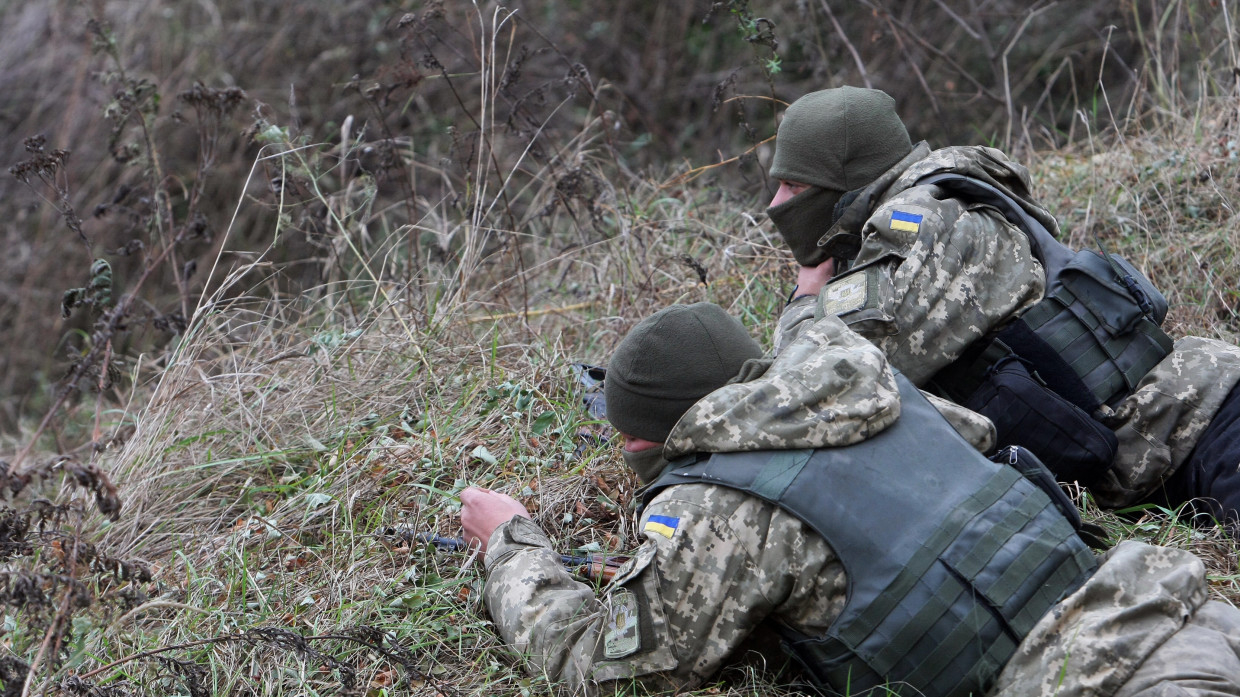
978,430
828,387
690,597
717,568
797,316
1159,423
1202,658
1140,626
932,276
729,564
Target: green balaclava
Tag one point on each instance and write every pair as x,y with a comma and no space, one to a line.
836,141
648,463
670,360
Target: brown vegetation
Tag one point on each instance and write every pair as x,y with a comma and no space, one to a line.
325,264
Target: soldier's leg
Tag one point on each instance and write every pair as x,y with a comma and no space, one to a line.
1211,475
1202,659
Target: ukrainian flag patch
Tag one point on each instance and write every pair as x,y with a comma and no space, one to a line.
905,222
662,525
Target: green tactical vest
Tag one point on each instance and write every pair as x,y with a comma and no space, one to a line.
950,558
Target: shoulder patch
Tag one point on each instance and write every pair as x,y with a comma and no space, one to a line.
622,637
847,294
662,525
905,221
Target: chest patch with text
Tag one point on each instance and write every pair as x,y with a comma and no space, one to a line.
845,295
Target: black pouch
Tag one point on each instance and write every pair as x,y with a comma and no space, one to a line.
1024,461
1072,444
1028,464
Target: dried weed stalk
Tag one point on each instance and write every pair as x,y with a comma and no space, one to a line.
54,573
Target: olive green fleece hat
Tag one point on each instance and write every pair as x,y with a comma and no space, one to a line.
670,360
840,139
835,140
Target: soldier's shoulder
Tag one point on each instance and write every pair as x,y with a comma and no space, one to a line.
710,498
908,213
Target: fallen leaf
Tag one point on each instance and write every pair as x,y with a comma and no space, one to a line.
384,678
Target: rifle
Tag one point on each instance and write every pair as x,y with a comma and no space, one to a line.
593,567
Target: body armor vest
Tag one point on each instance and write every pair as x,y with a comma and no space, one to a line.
1049,379
950,558
1096,332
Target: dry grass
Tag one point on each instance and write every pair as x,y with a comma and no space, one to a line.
272,459
1168,198
281,442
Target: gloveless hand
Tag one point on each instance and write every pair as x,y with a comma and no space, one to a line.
811,279
483,510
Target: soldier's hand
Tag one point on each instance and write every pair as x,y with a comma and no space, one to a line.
811,279
483,510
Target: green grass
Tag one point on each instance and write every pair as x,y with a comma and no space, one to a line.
267,457
259,490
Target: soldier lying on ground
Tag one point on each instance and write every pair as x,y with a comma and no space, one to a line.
933,256
818,498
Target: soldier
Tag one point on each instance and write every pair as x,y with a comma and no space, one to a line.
948,285
817,498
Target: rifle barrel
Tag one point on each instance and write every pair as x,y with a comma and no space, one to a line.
596,567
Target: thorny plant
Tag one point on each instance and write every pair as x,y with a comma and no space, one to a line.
509,179
51,573
159,233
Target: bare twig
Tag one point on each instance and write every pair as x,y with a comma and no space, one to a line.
101,344
839,31
936,51
1007,84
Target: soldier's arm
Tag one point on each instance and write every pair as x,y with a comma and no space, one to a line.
799,312
692,593
932,279
797,315
557,622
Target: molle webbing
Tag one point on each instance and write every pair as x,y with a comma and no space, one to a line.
1109,366
951,558
1099,312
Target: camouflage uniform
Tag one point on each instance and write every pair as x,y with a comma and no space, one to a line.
717,566
933,276
1140,626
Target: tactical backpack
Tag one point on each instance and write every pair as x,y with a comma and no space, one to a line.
1054,374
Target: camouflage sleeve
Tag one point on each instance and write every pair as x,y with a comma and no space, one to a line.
566,632
932,277
726,562
1158,425
830,387
1093,641
978,430
791,322
715,564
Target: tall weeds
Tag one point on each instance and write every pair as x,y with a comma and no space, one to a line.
368,289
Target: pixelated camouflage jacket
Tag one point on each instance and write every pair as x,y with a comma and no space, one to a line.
1117,634
716,564
829,387
931,276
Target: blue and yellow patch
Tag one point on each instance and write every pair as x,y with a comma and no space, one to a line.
905,222
662,525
